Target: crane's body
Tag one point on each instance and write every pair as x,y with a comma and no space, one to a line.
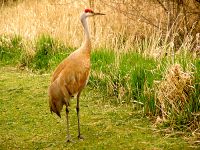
71,76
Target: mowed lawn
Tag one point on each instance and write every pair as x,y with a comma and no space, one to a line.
26,122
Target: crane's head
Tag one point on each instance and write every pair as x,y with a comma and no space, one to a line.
89,13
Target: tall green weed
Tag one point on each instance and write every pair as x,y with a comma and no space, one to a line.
11,48
48,53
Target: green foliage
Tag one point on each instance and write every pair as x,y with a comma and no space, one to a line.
10,49
45,55
48,53
130,77
139,69
45,48
102,63
126,77
197,77
26,122
102,59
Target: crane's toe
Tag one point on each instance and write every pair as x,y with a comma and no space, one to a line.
69,140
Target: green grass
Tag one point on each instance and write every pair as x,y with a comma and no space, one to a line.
49,52
26,122
10,49
124,78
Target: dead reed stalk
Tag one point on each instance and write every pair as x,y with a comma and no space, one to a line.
173,92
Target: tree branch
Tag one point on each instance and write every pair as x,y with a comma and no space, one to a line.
129,15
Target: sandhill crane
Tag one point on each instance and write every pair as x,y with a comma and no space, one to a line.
71,76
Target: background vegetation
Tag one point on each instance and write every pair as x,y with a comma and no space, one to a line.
26,122
145,53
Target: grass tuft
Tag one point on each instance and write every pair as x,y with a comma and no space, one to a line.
45,49
10,49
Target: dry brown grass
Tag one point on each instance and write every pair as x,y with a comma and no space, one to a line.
173,92
123,28
60,19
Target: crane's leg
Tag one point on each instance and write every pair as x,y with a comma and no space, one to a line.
68,135
78,116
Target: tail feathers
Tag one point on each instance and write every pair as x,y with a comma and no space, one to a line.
58,114
54,109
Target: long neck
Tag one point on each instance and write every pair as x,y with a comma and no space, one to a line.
87,43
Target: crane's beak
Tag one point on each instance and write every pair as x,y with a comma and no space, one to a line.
98,14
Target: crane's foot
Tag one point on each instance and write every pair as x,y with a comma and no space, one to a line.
69,140
80,137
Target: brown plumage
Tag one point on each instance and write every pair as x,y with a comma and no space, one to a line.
71,76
